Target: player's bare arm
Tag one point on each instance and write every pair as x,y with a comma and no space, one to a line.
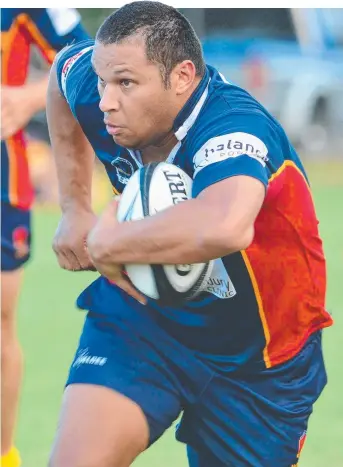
20,103
74,158
218,222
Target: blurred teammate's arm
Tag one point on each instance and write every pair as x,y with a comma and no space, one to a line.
50,29
20,103
74,158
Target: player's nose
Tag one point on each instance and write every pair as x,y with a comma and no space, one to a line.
109,101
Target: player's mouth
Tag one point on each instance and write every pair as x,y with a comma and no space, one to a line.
112,129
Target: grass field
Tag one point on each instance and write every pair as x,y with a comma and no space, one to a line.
50,325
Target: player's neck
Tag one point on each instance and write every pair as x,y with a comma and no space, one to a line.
161,149
159,152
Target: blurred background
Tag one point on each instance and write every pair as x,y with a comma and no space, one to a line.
292,61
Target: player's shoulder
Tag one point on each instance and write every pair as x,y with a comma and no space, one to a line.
233,122
231,108
73,63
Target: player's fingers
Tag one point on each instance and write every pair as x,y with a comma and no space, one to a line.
72,260
129,289
62,260
67,260
84,258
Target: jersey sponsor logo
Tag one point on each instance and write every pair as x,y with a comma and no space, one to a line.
63,20
219,282
68,66
124,169
20,241
224,147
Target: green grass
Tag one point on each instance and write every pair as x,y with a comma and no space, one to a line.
50,325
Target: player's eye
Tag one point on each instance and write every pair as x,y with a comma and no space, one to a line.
126,83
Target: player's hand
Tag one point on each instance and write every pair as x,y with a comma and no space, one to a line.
17,109
99,245
69,243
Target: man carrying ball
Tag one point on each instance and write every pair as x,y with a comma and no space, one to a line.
245,367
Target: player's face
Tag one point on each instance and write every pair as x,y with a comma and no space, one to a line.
138,110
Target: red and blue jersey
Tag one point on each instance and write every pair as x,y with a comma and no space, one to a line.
49,29
262,304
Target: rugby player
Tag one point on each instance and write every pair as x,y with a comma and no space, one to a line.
242,362
49,29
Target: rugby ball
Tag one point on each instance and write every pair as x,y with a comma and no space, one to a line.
151,189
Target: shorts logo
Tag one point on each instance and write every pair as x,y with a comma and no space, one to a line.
83,357
124,169
229,146
20,241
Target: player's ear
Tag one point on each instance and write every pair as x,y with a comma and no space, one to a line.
183,76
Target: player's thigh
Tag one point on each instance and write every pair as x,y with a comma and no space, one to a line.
241,430
132,388
257,421
98,427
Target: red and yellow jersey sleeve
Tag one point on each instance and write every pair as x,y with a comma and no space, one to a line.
49,29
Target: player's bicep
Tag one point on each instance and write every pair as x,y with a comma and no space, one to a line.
238,201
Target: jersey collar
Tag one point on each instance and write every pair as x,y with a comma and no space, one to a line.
190,111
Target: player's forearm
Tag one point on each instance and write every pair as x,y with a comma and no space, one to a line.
186,233
74,166
73,155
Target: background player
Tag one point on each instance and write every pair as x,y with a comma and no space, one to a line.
50,30
246,382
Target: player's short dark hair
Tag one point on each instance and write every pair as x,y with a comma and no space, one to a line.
169,36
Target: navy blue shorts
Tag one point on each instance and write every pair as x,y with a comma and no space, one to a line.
244,418
15,237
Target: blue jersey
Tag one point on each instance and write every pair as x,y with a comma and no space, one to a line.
261,304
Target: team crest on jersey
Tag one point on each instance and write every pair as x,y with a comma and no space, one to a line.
124,169
20,241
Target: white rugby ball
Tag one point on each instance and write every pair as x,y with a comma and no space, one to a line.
152,189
